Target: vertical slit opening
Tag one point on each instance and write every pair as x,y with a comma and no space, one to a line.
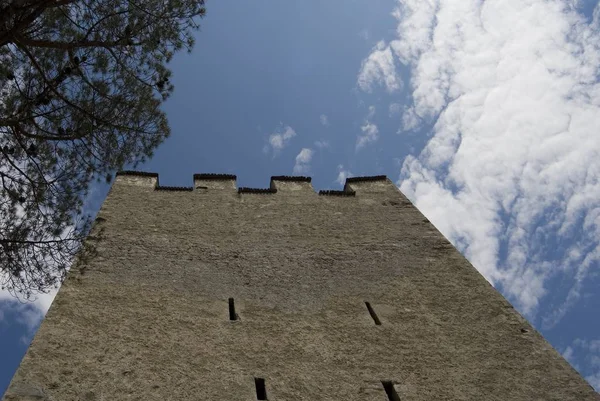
388,386
261,391
373,314
232,314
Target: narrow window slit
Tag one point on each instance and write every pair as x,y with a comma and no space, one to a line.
261,391
388,386
232,314
373,314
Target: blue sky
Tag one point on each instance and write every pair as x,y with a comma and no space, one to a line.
484,113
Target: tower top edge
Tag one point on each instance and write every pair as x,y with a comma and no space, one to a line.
214,176
173,189
366,178
137,173
295,178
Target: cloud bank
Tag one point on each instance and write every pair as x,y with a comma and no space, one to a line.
511,172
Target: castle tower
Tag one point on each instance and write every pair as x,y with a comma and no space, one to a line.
217,293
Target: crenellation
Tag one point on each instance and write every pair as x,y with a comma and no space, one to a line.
294,185
211,181
282,184
214,176
138,178
137,173
174,189
366,178
378,185
291,178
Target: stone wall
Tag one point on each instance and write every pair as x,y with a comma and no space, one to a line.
214,293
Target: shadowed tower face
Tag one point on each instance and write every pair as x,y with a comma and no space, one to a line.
218,293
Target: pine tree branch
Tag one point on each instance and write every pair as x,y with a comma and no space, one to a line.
52,44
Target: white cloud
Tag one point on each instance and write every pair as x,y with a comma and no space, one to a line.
28,313
279,139
369,129
568,354
589,356
379,68
303,160
324,120
513,158
371,113
594,380
370,134
395,109
31,311
343,174
322,144
410,119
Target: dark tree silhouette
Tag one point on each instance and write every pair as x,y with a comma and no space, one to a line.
81,83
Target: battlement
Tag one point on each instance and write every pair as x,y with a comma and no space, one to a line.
174,189
213,176
136,173
280,184
291,178
139,178
366,179
209,181
369,184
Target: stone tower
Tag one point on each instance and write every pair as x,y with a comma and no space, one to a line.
218,293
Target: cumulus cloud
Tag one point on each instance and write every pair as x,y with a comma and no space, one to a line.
28,314
594,380
512,163
371,112
343,174
568,354
279,139
379,68
370,132
324,120
322,144
588,353
395,109
303,160
410,120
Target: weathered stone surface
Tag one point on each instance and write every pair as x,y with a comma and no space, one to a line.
150,317
26,392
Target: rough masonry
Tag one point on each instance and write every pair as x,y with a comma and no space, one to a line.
218,293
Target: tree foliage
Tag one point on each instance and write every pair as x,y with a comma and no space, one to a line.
81,84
